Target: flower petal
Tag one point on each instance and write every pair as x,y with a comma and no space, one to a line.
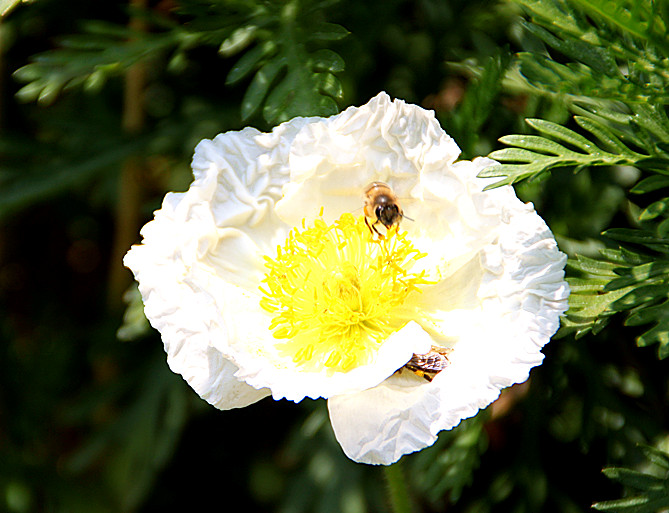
496,312
380,425
213,234
295,384
186,336
332,161
451,224
499,282
200,266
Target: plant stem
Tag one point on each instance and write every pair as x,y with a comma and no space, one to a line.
397,488
128,202
4,47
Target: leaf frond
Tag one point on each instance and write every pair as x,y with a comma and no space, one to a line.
292,74
282,43
88,60
531,156
649,492
633,280
617,50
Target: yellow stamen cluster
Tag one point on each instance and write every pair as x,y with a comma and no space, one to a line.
334,291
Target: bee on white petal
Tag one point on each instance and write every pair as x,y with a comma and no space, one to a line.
430,364
381,206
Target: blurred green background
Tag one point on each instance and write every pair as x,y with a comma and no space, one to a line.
103,122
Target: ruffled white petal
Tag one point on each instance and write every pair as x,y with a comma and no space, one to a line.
496,312
169,305
295,384
206,244
498,293
332,161
203,252
379,425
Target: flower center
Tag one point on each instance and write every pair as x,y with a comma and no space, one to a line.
335,291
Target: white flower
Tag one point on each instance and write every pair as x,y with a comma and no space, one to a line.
263,279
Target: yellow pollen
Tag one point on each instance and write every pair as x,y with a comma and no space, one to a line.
334,291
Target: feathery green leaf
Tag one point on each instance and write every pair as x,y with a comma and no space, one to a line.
532,156
630,280
651,491
294,77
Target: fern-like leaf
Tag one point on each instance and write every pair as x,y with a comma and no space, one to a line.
638,18
618,50
651,491
531,156
633,279
590,303
88,60
293,76
447,467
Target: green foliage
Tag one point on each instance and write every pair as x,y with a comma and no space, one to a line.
88,59
465,124
135,324
625,280
651,489
617,108
616,79
591,303
599,35
533,156
140,441
447,468
24,186
100,425
323,479
301,80
293,76
320,477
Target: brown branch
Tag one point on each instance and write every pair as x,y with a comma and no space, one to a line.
3,49
129,200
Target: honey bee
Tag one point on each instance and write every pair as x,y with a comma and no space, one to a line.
381,206
430,364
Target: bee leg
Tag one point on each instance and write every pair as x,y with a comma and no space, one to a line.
372,228
368,226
